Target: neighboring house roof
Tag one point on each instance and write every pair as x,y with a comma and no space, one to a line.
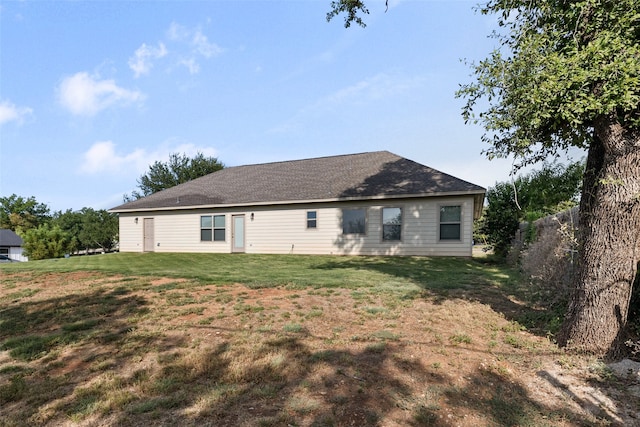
10,238
371,175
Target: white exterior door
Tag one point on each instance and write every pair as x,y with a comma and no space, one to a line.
237,234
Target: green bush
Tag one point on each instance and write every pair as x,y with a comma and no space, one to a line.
46,242
552,189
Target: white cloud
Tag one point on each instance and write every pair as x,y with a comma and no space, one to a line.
203,46
103,158
197,46
86,95
12,113
177,32
141,61
191,64
377,87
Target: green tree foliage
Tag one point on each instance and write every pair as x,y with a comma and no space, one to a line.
567,74
70,222
99,228
501,218
551,189
47,235
88,228
576,62
20,214
46,241
179,169
351,8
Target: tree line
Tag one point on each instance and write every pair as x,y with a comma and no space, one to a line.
49,234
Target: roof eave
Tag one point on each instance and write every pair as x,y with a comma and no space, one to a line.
478,196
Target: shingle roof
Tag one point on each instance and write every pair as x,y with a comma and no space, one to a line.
9,238
355,176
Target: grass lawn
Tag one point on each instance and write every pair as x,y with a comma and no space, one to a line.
292,270
265,340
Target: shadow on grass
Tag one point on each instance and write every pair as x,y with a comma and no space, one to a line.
298,386
474,279
52,343
82,359
281,382
31,330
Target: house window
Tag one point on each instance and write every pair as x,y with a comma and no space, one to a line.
354,221
312,219
212,228
391,224
450,222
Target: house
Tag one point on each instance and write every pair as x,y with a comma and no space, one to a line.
374,203
11,245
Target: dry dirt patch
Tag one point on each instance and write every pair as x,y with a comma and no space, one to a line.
159,351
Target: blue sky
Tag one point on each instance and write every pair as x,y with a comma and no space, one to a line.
93,92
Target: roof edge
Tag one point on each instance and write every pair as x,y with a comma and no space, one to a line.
479,192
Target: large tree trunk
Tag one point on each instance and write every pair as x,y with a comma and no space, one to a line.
609,237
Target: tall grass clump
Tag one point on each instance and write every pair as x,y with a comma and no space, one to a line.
549,264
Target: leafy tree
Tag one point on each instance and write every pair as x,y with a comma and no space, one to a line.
99,229
18,213
566,75
70,222
179,169
551,189
88,228
501,218
45,242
